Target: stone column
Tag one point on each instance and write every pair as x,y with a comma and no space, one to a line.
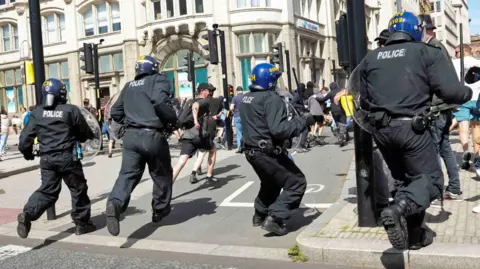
74,79
129,33
77,91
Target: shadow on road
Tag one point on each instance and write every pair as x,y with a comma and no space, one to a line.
302,218
99,221
181,212
441,217
97,199
89,164
393,259
210,186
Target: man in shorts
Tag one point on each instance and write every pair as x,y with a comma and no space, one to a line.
198,136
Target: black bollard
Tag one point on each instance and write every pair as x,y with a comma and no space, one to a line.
38,63
357,35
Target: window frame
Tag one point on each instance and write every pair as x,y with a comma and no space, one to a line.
111,61
15,85
251,42
58,27
13,38
249,4
95,18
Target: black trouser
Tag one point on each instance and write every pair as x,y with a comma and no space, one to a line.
412,158
340,119
276,173
141,147
385,184
54,167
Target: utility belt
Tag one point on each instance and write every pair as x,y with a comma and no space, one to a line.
265,147
149,129
419,123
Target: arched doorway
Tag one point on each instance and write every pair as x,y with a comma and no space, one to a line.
177,73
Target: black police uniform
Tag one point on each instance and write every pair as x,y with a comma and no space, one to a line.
145,109
57,129
201,139
265,124
398,83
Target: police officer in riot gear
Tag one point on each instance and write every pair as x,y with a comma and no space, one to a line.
397,84
265,129
145,110
58,126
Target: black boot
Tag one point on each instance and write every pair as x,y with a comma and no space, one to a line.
395,224
258,220
84,228
275,226
113,219
24,225
157,217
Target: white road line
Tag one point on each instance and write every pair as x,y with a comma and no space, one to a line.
10,251
230,198
251,205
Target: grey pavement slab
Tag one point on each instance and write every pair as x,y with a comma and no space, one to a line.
201,215
35,254
336,238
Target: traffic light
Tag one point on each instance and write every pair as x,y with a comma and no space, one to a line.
230,91
343,44
190,64
87,58
277,56
211,47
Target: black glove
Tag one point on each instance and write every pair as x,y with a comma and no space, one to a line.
29,156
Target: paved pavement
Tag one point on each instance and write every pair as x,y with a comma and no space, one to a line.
336,238
35,254
206,219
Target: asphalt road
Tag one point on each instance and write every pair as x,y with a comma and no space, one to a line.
34,254
221,213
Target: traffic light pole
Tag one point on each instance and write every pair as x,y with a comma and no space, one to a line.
363,141
194,84
38,65
289,70
228,120
37,47
96,75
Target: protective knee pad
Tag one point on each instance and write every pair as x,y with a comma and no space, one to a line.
411,208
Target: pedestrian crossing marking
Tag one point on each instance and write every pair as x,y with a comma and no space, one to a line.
10,251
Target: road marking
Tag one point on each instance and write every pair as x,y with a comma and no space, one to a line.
314,188
230,198
228,201
10,251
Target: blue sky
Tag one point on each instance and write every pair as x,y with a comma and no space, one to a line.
474,6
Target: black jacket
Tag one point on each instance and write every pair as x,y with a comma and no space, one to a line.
57,129
402,77
145,103
264,117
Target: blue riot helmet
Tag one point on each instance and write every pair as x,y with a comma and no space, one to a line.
406,22
264,77
54,92
146,65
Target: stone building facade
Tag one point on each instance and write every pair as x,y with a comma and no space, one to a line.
167,30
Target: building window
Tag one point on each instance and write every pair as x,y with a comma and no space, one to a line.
256,42
111,62
176,73
102,18
58,70
6,2
54,25
11,92
157,10
183,7
9,37
253,3
170,9
199,6
438,5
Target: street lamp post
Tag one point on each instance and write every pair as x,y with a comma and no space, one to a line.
462,51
